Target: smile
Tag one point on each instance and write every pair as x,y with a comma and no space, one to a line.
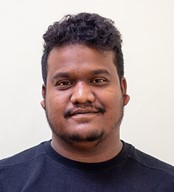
83,112
84,117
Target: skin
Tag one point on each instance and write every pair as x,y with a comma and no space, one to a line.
84,99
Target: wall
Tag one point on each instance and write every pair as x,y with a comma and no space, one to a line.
147,28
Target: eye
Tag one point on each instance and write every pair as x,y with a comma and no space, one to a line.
98,81
64,84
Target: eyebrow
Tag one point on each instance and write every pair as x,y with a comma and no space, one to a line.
61,74
100,71
93,72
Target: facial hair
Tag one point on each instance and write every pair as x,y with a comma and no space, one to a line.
92,135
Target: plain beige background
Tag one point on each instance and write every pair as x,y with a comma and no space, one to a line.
147,28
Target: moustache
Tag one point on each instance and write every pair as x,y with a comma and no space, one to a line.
70,112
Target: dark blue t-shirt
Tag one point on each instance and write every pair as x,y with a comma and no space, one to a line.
41,169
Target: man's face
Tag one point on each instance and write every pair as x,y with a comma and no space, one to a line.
83,97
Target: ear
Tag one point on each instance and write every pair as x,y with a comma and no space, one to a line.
126,97
43,96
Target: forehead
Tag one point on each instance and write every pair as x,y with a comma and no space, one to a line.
79,58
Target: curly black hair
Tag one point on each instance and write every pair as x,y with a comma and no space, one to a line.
88,29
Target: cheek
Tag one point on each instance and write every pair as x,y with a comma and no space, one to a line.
112,98
55,103
55,96
113,102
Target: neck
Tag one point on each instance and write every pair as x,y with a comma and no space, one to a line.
88,152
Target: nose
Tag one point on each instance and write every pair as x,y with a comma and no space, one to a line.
82,93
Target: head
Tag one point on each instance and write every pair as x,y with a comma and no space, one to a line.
84,87
88,29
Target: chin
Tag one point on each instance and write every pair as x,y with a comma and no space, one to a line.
85,145
91,137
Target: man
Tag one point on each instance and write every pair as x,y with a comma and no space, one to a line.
84,94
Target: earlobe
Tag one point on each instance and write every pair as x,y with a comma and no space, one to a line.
43,104
43,95
126,97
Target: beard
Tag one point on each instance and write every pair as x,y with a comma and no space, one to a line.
92,136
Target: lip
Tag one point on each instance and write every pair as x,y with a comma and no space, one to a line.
84,116
84,112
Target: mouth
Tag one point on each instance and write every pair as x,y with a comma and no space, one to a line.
84,116
83,112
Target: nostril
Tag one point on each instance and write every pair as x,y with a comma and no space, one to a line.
82,98
82,93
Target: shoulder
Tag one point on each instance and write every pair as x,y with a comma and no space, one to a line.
22,158
20,169
150,163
